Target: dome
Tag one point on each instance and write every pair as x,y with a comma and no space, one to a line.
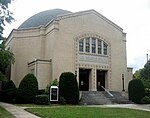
42,18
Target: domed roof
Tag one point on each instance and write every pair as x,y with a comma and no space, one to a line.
42,18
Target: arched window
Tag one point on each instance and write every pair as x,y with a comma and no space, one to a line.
93,45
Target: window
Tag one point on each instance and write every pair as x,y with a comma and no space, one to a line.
93,45
105,48
99,47
87,44
81,45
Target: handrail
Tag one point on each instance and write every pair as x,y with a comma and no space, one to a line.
107,91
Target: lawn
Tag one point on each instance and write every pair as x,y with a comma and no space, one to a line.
88,112
5,114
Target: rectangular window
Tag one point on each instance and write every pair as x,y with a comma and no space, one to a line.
105,49
81,45
87,45
99,47
93,45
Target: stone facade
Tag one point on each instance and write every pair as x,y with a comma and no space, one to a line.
85,43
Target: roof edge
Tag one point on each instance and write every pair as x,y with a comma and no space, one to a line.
64,16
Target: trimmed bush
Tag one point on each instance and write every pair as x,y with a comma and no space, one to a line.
42,91
27,89
145,100
136,90
42,99
68,88
9,92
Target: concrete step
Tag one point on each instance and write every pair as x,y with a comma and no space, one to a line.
93,98
102,97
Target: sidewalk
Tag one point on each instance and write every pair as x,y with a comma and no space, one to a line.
130,106
18,112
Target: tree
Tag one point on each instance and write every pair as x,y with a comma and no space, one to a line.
143,73
6,58
5,15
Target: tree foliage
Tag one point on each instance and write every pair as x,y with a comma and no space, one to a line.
143,73
6,16
6,58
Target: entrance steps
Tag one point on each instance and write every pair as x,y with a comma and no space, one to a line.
102,97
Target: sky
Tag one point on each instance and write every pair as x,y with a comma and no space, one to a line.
131,15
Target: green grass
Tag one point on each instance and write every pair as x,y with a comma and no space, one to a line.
88,112
5,114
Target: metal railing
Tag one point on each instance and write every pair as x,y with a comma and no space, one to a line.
107,91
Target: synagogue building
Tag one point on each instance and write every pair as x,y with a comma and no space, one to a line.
85,43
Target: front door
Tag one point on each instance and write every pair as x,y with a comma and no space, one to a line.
83,79
100,80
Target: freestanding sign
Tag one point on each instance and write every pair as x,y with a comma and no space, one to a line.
53,93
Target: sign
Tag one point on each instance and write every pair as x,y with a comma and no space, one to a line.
93,59
53,93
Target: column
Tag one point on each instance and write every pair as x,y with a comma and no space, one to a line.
93,78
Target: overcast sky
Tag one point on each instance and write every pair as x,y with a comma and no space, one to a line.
131,15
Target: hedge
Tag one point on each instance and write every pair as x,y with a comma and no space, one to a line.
9,92
27,90
68,88
136,90
42,99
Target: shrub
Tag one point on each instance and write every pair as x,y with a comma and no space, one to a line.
2,77
9,92
42,99
147,92
145,100
68,88
53,83
62,101
27,89
136,90
42,91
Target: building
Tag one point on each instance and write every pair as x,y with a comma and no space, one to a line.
85,43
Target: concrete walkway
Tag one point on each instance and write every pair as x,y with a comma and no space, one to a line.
19,112
130,106
16,111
